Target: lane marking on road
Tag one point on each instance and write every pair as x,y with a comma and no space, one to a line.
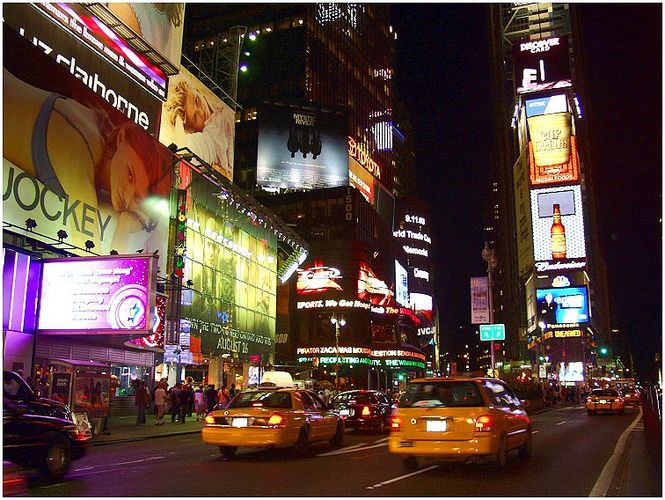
535,432
604,481
82,468
381,440
351,449
399,478
562,422
137,461
52,485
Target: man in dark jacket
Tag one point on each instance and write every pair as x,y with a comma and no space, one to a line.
175,402
210,397
186,396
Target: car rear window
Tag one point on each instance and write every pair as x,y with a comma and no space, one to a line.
441,394
265,399
362,399
604,392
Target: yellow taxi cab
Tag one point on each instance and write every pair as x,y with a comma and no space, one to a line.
605,400
466,419
270,416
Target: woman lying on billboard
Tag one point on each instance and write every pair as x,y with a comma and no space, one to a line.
86,152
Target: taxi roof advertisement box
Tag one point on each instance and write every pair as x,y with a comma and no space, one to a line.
117,197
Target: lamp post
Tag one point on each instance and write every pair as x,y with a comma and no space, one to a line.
489,256
337,323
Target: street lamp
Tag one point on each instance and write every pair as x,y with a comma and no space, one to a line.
337,323
489,256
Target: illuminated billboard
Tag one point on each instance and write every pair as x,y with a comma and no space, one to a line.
96,34
547,105
159,24
101,178
156,338
318,279
301,148
85,64
98,294
571,372
553,156
480,308
401,285
523,216
232,263
541,65
194,117
560,240
562,306
372,288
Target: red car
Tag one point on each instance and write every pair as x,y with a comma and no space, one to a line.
631,397
364,409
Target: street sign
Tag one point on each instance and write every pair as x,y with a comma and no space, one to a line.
493,332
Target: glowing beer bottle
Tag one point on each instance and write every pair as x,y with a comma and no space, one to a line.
557,234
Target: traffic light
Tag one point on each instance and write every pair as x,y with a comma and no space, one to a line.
603,351
541,358
400,377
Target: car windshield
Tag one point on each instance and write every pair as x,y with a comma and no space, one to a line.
604,392
264,399
441,394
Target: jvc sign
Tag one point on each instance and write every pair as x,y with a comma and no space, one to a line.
493,332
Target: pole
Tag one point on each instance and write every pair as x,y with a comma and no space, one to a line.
337,363
491,315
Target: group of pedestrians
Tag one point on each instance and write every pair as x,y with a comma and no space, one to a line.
181,400
555,393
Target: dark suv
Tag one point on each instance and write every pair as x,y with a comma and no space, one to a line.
362,409
38,432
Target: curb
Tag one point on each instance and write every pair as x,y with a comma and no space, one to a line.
142,438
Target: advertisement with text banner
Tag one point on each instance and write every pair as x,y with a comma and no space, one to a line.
480,308
558,223
523,215
541,65
562,306
301,148
546,105
159,24
97,73
111,295
100,178
194,117
553,156
96,34
401,285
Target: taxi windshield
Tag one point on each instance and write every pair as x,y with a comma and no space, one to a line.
441,394
261,399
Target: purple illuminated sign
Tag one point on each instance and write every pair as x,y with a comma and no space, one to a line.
97,295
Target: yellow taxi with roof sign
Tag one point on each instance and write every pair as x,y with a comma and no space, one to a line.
466,419
270,416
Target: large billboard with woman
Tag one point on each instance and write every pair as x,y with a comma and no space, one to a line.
195,118
72,162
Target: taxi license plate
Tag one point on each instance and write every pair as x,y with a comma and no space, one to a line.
602,401
344,412
436,426
239,422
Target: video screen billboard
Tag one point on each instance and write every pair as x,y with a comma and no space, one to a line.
98,294
546,105
541,65
569,241
194,117
372,288
100,177
401,285
553,157
95,33
301,148
559,306
159,24
85,64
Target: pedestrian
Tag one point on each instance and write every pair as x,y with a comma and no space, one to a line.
189,381
160,401
211,397
199,404
174,401
142,401
224,397
185,397
233,391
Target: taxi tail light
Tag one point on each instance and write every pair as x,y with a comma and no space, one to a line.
276,420
209,419
484,424
366,411
395,423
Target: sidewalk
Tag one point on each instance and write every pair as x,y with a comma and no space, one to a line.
124,429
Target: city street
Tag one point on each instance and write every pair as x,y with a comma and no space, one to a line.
570,451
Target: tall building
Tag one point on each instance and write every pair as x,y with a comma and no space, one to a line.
552,287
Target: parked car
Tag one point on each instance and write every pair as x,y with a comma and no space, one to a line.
466,419
605,400
364,409
271,416
38,432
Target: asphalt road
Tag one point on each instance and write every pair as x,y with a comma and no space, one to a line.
570,451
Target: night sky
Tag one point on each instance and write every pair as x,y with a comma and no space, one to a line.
442,73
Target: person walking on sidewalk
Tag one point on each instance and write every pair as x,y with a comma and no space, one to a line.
211,397
175,402
160,401
199,404
186,397
142,400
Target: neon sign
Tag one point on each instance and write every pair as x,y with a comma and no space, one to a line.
364,158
